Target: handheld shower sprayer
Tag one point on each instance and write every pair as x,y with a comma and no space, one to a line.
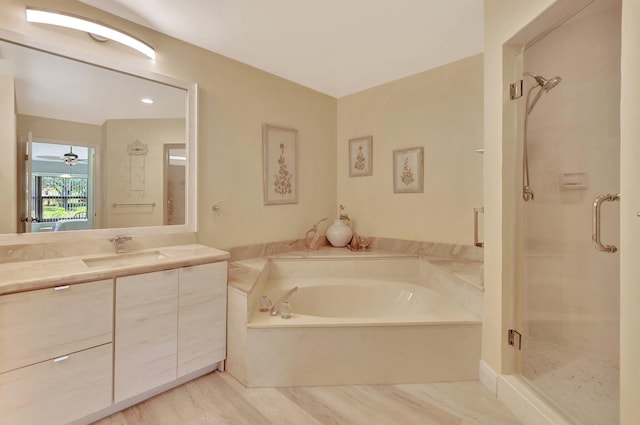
543,85
543,82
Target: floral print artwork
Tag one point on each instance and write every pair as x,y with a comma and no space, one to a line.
408,170
360,160
280,165
407,174
282,183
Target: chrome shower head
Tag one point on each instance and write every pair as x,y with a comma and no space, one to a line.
551,83
543,82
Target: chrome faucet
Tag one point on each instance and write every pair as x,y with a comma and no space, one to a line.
119,242
275,310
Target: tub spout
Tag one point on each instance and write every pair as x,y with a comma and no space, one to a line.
275,310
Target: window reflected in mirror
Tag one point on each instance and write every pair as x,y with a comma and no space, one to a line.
60,187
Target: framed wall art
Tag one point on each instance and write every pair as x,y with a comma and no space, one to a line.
280,165
361,156
408,170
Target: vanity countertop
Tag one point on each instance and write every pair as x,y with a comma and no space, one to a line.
29,275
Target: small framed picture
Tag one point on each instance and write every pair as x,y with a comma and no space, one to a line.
361,156
280,165
408,170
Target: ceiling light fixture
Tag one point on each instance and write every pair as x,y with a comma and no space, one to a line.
93,28
147,100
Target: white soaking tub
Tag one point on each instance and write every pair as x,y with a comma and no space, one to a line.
363,320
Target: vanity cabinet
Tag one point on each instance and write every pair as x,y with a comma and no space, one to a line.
76,353
56,353
146,332
168,324
202,321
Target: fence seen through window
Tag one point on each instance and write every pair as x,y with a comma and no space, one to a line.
56,198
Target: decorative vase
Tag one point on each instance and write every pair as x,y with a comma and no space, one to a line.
339,234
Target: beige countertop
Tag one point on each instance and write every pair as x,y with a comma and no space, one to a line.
29,275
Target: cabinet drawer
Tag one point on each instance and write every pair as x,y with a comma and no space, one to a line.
47,323
58,392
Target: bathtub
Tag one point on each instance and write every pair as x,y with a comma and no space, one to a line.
353,301
358,320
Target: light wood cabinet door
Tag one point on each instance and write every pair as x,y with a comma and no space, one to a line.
56,392
145,332
39,325
202,315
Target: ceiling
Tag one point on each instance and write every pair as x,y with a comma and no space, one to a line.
54,87
337,47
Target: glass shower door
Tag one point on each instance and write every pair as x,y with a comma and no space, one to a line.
569,291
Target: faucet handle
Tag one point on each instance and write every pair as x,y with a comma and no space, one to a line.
119,241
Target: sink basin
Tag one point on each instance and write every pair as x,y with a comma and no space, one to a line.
119,260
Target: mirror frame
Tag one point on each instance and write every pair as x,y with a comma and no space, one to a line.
191,140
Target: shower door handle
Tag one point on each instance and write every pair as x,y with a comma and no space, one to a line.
476,240
595,222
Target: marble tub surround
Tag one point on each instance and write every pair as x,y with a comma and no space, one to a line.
429,249
77,245
271,248
310,350
400,246
459,277
45,273
470,271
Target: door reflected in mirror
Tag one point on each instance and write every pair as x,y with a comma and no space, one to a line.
129,134
175,161
59,182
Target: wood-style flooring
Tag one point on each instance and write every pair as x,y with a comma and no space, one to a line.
218,399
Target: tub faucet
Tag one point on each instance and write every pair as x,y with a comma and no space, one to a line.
275,310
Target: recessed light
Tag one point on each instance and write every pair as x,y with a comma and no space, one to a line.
147,101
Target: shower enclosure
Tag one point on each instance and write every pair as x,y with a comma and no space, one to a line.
569,291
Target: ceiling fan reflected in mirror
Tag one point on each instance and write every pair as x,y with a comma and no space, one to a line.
69,158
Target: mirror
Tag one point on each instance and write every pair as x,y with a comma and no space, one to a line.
93,147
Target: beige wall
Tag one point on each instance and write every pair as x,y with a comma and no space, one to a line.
234,101
630,223
120,168
440,110
8,170
65,131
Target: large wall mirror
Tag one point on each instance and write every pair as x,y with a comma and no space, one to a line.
91,147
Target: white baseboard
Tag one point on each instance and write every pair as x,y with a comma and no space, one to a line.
525,404
488,377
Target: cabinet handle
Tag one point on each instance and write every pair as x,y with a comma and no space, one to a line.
60,359
61,288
